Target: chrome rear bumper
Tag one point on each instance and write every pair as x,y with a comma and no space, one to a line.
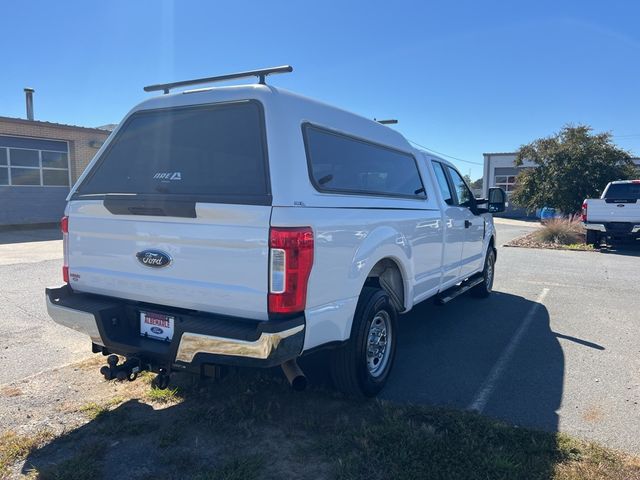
78,320
601,227
263,348
598,227
199,338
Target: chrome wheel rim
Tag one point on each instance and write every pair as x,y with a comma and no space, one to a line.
489,274
378,343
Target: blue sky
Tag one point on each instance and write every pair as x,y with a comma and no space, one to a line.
463,78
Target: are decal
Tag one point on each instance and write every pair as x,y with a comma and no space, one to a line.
167,176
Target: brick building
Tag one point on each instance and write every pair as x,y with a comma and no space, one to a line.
39,161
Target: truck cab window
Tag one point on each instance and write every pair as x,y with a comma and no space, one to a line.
465,197
443,184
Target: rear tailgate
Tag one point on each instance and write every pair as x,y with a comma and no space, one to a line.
218,260
619,203
187,187
599,211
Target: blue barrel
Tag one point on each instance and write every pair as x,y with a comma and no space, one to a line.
547,213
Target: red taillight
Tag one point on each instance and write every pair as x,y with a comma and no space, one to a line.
584,211
290,262
64,228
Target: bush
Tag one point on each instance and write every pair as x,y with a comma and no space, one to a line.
572,165
563,231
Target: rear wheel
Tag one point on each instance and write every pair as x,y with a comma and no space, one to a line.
484,289
593,238
362,366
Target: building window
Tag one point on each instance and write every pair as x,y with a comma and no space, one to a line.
4,168
33,162
506,182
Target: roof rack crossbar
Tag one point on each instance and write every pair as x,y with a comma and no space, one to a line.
261,74
389,121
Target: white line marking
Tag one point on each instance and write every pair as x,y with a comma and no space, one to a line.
484,393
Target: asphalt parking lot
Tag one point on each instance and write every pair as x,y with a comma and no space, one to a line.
30,342
556,347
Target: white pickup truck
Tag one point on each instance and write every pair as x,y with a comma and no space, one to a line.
615,215
247,225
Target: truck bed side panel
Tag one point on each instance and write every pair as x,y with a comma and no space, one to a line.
348,243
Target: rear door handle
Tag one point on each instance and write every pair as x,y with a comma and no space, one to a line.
467,223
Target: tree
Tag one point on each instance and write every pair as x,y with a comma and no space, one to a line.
473,184
477,183
572,165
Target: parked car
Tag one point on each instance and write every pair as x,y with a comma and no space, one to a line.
247,225
615,216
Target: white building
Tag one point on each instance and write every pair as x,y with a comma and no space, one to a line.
500,170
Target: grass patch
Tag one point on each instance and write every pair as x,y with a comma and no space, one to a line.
410,442
124,427
85,464
253,426
561,231
168,395
239,468
146,377
15,447
94,410
172,436
588,460
579,246
116,422
380,440
419,442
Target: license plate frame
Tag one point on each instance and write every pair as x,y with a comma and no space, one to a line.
158,326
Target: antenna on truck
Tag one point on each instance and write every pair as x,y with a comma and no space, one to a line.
261,74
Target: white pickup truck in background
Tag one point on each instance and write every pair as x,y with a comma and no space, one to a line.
615,216
247,225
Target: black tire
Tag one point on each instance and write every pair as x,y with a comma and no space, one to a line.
484,289
161,381
593,238
352,369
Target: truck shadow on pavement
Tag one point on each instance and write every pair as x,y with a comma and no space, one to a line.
447,353
445,356
631,249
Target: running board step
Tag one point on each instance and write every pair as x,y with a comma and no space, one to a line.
453,292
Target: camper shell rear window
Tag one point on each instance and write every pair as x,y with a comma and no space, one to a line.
213,153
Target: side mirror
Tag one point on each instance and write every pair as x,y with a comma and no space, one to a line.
497,200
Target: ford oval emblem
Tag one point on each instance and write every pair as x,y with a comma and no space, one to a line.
153,258
156,330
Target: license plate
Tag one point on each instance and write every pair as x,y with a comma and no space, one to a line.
156,325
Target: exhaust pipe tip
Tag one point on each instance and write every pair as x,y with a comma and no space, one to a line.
299,384
296,377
